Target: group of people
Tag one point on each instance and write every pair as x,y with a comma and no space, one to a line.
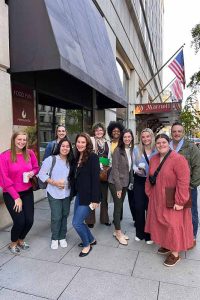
159,176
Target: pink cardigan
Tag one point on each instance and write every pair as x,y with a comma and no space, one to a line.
11,178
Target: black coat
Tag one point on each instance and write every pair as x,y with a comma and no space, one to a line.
87,183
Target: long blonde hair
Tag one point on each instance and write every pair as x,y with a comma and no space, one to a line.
13,148
141,146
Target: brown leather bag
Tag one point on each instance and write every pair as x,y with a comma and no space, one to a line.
104,173
170,198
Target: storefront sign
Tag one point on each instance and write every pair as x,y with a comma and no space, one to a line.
157,108
23,106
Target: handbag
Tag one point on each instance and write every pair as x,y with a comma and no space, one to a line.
43,185
104,173
170,198
34,182
105,169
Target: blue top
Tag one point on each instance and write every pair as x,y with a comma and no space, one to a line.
51,146
59,172
137,160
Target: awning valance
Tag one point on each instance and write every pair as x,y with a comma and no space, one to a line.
65,35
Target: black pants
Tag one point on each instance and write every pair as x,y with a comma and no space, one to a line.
118,205
131,201
141,206
23,221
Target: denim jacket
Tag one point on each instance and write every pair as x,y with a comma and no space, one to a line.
137,160
50,149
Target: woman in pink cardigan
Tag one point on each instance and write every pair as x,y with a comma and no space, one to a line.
18,165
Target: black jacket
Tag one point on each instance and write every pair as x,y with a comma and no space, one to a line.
87,183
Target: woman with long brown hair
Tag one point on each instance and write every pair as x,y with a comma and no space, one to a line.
19,165
119,179
51,148
87,188
55,172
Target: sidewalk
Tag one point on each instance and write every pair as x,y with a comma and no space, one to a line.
110,272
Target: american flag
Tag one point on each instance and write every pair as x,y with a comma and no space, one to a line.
177,66
177,92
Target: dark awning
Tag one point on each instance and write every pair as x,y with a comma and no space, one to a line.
67,35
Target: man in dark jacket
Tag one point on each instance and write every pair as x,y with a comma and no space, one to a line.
192,153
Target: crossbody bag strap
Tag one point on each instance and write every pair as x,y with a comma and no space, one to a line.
162,162
54,147
146,157
52,165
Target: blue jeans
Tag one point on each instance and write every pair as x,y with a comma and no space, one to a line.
195,219
81,212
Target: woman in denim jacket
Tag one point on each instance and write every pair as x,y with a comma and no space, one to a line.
141,156
51,148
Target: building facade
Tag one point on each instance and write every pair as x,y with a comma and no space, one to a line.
135,28
82,61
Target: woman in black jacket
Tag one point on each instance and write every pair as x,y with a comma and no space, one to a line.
87,188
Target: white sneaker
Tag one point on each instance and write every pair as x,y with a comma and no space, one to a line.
54,244
149,242
63,243
137,239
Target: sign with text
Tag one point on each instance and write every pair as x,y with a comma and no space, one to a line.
23,106
157,108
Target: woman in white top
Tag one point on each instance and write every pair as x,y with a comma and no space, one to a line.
58,190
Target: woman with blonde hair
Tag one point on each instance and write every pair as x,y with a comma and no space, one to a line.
19,165
141,156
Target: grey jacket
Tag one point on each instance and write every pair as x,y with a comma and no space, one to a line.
119,174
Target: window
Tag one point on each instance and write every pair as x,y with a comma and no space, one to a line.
122,112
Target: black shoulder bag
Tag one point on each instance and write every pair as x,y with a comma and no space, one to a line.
152,178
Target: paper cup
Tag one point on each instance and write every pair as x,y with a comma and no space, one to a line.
25,177
141,165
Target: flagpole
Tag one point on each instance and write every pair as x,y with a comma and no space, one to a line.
159,71
163,90
168,97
